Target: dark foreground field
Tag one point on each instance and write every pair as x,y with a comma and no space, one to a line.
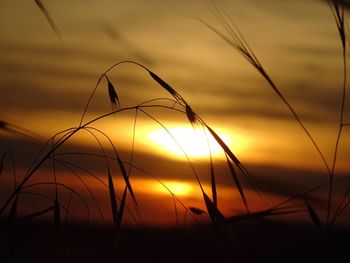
256,242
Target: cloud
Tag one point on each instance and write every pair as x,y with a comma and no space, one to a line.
272,179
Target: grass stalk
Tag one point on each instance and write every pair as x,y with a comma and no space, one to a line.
236,40
338,13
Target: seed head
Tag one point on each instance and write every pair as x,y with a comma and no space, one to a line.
113,97
192,117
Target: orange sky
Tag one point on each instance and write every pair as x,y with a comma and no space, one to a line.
45,82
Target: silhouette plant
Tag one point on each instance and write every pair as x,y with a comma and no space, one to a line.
23,188
235,39
50,149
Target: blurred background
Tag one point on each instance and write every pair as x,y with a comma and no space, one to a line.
45,81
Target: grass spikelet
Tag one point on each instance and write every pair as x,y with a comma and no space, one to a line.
238,185
215,215
49,19
9,127
196,211
113,96
192,117
235,38
166,86
313,215
113,200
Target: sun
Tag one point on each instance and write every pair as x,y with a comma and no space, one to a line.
187,141
177,188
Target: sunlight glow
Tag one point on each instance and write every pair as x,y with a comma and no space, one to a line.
194,142
176,187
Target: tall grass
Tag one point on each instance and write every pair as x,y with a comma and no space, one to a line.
178,104
236,40
110,152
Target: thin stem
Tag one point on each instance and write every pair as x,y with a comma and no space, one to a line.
64,132
126,178
99,81
65,165
188,159
54,172
176,214
89,99
297,118
135,167
83,169
34,169
212,170
339,17
133,143
237,41
340,212
341,206
60,185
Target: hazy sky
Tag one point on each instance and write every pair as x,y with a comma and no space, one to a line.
45,81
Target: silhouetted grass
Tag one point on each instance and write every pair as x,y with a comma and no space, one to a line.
48,17
50,152
235,39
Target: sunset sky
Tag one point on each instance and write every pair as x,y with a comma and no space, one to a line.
45,82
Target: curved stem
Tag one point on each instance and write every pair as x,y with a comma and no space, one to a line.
100,79
34,169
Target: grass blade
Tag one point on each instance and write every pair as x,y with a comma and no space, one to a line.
238,185
122,207
49,19
259,215
226,149
127,181
215,215
314,216
196,211
113,200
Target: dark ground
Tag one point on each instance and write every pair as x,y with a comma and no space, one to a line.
255,242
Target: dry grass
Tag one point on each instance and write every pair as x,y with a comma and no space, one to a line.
111,155
235,39
48,17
